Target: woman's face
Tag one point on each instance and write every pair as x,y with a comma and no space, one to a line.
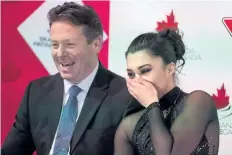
151,68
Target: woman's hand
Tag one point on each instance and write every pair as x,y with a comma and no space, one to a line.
143,91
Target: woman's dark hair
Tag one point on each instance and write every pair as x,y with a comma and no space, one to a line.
167,44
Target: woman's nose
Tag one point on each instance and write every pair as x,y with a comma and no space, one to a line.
137,77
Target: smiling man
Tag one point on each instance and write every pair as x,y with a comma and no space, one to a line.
76,111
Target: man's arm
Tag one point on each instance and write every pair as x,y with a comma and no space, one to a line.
19,140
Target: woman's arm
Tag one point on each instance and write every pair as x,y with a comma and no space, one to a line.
188,128
121,142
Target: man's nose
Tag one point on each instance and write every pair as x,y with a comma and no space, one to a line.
61,51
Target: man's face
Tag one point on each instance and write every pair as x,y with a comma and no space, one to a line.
73,56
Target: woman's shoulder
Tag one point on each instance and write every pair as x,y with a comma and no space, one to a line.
129,122
201,101
132,119
199,96
200,92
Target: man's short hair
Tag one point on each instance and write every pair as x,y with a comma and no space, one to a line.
79,15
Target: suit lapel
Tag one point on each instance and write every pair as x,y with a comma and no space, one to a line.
55,101
94,98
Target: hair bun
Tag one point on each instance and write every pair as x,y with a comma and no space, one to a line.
175,38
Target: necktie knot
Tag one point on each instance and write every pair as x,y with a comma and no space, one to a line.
74,91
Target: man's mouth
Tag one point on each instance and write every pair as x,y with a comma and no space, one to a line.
67,64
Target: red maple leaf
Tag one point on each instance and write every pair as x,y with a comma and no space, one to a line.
171,24
221,100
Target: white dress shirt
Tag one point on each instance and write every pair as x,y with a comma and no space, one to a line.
84,85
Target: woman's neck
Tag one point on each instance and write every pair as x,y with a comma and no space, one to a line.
167,89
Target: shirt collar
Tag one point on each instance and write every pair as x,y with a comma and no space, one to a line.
84,84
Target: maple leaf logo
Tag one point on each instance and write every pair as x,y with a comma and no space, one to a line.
170,23
221,100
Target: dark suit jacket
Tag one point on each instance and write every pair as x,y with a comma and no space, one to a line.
107,102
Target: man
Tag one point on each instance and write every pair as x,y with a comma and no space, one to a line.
76,111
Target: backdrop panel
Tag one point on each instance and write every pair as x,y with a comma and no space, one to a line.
207,28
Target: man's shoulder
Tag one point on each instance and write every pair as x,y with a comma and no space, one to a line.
116,78
118,88
117,84
46,81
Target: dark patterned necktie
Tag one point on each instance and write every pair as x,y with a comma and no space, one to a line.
67,123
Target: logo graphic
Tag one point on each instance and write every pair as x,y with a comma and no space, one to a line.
222,103
221,99
227,21
224,110
171,23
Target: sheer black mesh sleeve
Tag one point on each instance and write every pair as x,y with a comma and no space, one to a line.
197,119
193,131
123,138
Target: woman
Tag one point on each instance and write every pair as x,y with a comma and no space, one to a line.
173,122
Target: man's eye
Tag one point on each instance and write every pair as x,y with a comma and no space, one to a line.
70,44
55,45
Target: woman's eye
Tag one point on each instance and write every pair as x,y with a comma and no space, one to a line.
131,75
144,71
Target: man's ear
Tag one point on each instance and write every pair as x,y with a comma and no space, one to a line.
97,44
